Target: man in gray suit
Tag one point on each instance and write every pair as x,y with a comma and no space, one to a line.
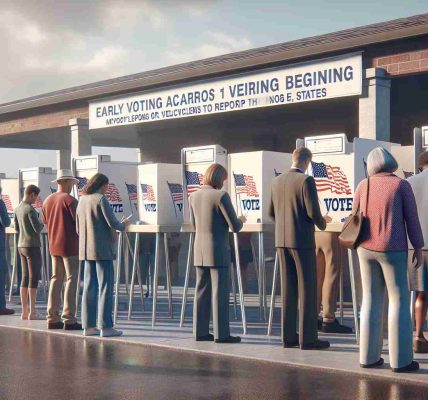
295,210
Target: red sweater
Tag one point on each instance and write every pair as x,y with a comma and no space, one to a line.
392,214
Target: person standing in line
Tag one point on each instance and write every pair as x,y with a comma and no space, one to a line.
295,209
390,215
96,225
4,223
328,281
419,277
211,216
59,214
28,226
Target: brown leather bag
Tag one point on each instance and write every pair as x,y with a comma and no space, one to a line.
353,225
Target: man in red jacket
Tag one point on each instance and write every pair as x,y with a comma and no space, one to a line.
59,214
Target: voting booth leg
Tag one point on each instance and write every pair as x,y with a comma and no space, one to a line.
135,268
273,295
255,262
412,307
140,281
262,277
15,265
232,277
341,296
155,278
241,291
168,275
118,267
354,295
186,279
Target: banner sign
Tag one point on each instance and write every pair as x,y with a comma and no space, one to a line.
316,80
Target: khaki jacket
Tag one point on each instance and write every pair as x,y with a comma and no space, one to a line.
211,215
295,209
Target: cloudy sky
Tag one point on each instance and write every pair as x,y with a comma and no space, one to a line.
53,44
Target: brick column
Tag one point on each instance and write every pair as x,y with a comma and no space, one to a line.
374,105
63,159
81,142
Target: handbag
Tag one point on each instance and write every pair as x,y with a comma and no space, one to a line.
353,226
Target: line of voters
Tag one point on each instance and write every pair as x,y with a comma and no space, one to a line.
392,251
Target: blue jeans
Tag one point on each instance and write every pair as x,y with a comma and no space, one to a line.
98,292
3,273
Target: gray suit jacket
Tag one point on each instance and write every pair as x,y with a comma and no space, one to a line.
96,225
295,209
212,214
4,223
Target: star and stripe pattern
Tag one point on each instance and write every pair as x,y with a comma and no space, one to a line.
147,192
245,184
194,181
331,178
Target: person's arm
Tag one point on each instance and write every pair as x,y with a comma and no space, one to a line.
310,196
15,223
271,206
229,214
35,221
4,216
410,212
109,216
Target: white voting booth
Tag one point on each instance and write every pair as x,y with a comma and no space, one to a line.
122,189
42,177
250,178
10,193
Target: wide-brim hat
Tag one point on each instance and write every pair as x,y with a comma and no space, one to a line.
64,174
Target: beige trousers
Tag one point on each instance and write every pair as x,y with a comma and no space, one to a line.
328,272
63,268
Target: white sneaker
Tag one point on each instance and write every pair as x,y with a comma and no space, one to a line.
91,332
110,332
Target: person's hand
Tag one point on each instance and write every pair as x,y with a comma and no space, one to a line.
417,258
327,218
243,218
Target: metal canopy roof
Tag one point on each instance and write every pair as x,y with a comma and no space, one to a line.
312,46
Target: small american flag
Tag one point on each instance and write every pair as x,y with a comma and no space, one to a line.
113,194
245,185
330,178
81,184
7,202
39,202
407,174
53,190
132,191
176,191
194,181
147,192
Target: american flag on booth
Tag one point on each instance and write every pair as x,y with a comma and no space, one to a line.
81,184
113,194
39,202
7,202
176,191
194,181
132,191
53,190
330,178
147,192
244,184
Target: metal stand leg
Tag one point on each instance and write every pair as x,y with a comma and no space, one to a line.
186,279
412,307
273,295
241,292
260,276
255,261
126,265
118,268
341,295
15,265
232,275
155,279
354,295
168,275
135,268
263,264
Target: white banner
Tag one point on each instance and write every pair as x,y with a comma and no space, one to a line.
316,80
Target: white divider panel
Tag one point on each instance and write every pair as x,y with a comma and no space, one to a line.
250,178
10,193
42,177
160,194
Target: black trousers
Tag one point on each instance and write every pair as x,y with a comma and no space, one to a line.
298,288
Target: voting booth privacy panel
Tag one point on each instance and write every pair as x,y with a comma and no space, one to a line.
194,163
10,193
338,167
43,178
122,190
250,178
160,194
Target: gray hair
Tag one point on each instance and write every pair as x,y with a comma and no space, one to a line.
380,160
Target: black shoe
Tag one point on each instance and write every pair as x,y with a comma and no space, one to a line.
230,339
206,338
413,366
289,345
318,345
335,327
7,311
73,327
319,322
373,365
55,325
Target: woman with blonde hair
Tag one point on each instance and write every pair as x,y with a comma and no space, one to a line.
389,208
212,215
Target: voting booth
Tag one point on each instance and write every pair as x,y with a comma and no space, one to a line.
250,178
160,194
122,192
10,193
42,177
194,163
